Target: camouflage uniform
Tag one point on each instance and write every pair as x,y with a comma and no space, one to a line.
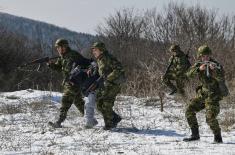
176,72
208,95
114,72
71,94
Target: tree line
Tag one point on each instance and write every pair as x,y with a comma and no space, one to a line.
140,39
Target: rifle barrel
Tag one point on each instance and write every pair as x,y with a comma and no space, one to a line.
40,60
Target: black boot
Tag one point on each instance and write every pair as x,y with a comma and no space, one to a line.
108,127
194,136
114,122
116,119
57,124
108,124
218,138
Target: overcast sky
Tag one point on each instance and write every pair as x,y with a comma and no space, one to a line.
85,15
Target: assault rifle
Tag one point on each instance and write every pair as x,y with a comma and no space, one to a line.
208,63
39,61
95,84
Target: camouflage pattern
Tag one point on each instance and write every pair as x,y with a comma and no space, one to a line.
113,71
208,97
179,66
174,48
61,42
99,45
203,50
67,61
105,101
71,94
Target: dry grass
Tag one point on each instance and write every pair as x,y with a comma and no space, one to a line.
12,109
228,120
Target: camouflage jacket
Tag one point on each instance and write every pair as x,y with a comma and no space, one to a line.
180,64
110,68
68,61
209,82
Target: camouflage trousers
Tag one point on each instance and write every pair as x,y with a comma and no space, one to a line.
207,101
167,80
105,101
71,95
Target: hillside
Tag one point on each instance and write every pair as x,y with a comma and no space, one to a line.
43,33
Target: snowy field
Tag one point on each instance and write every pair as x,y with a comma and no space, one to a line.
144,129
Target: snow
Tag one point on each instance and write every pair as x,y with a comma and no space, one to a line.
143,130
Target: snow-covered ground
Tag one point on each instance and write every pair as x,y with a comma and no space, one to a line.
143,130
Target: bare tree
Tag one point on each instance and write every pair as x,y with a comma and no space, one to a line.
143,37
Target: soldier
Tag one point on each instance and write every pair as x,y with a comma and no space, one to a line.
178,66
71,94
112,71
209,93
84,78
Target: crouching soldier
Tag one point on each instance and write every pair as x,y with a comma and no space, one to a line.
209,93
178,66
71,94
113,75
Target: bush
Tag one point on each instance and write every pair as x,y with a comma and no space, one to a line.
15,51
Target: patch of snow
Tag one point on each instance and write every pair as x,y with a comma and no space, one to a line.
143,130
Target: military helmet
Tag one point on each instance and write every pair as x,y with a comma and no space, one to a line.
99,45
174,48
203,50
61,42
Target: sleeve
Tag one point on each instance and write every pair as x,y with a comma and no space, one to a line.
219,73
193,71
117,70
56,66
170,59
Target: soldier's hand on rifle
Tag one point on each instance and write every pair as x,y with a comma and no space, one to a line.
49,62
71,83
202,67
89,72
212,66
